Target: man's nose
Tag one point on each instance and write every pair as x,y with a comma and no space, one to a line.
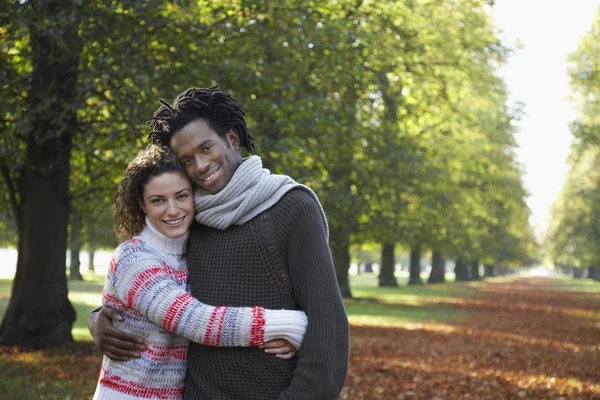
202,164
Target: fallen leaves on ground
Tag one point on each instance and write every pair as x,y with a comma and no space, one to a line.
527,341
67,373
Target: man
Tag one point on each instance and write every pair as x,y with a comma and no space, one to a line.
261,239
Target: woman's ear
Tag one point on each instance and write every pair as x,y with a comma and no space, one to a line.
141,203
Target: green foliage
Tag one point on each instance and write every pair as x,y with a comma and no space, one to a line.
391,111
572,239
574,234
585,77
8,229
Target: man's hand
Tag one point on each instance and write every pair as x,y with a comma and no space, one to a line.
113,343
281,348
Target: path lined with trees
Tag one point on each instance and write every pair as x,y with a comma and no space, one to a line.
391,111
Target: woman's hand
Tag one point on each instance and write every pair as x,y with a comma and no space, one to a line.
281,348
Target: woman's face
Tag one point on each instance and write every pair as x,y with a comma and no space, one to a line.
168,202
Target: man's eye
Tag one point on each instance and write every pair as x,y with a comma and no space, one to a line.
207,148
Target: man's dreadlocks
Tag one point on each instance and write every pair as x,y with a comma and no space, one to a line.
220,110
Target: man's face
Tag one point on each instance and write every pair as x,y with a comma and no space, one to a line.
209,160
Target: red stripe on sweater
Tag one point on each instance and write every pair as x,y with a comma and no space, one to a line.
175,311
212,336
257,330
141,282
156,353
180,275
138,390
112,265
116,302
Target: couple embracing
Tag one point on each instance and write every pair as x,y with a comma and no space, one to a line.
223,285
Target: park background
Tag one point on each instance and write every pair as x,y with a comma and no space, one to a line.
398,114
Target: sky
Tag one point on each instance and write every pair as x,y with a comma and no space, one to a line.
537,75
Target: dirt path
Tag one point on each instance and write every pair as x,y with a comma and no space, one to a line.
529,340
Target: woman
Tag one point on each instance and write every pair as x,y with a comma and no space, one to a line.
147,282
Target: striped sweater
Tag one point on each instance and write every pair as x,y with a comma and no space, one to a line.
147,283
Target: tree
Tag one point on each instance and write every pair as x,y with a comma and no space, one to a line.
438,268
573,232
63,77
39,312
388,266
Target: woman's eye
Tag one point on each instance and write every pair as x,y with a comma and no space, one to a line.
183,196
156,201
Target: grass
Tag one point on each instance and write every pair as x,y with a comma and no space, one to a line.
568,284
84,296
5,289
370,304
376,306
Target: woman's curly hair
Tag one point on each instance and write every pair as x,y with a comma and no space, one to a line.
129,218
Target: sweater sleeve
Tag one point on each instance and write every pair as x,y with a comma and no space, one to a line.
143,282
323,361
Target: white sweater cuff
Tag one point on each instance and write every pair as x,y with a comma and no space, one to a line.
285,324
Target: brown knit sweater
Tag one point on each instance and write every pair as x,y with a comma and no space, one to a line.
280,259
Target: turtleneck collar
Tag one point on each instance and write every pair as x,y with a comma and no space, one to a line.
162,242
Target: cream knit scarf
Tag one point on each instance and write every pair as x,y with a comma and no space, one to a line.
252,190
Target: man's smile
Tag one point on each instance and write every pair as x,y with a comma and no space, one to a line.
208,178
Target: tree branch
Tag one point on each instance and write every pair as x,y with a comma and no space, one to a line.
88,191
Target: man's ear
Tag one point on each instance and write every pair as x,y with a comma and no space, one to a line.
233,138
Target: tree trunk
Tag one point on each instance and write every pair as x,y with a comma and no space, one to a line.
415,266
39,313
475,275
386,272
578,272
460,270
91,242
489,270
75,267
594,273
91,266
438,268
340,251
